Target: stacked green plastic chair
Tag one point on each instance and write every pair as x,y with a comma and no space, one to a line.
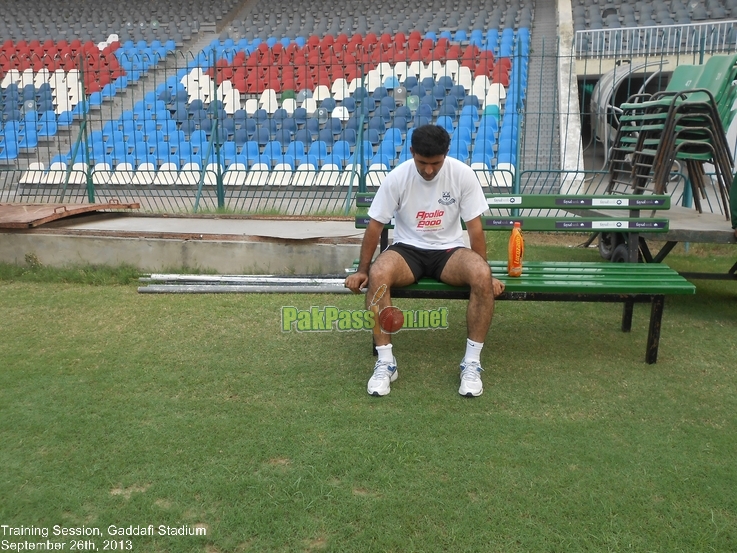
686,123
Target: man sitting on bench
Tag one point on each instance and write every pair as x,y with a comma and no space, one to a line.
428,196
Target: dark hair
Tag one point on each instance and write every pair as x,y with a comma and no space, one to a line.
430,141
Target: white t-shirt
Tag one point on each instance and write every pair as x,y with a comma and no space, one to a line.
428,213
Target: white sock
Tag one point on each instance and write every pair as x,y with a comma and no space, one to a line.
473,351
385,353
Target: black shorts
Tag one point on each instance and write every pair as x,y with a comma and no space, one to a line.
424,263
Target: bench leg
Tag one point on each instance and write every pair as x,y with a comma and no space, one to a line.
629,307
653,335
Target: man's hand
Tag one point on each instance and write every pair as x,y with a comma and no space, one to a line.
356,281
497,286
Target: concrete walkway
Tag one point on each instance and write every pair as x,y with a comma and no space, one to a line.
235,227
225,245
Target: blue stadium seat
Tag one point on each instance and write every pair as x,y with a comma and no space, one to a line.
445,122
333,160
283,136
229,151
273,149
381,160
341,150
459,149
349,103
451,101
329,104
449,111
296,149
240,137
318,149
387,150
350,136
251,151
262,136
304,136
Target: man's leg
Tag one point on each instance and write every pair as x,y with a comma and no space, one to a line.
467,268
389,269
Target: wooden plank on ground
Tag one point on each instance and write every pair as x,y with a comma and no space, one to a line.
32,215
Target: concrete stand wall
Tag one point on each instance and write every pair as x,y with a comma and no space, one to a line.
159,254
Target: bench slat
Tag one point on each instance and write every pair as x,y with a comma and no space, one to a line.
557,201
585,267
567,278
561,224
578,267
577,224
567,285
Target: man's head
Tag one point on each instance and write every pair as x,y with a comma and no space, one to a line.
430,145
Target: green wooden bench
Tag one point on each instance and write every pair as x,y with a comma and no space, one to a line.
627,282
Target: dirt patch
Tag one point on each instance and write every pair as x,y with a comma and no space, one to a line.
128,492
317,544
163,504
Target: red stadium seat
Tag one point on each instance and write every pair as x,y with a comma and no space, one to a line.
487,55
255,84
341,39
470,63
506,63
483,67
413,45
416,55
90,47
322,77
239,80
500,76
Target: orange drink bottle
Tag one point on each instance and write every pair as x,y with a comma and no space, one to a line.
516,251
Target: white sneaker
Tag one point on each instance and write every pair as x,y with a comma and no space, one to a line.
471,385
384,374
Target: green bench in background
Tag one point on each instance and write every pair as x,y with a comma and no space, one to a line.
626,283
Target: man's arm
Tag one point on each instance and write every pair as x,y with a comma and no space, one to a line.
476,236
371,238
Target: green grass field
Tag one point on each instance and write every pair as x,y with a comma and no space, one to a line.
197,413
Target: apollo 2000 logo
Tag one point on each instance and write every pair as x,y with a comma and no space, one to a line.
429,219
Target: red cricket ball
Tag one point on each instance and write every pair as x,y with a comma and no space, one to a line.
391,319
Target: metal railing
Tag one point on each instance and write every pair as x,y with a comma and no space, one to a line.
713,37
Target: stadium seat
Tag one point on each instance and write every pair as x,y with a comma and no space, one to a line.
318,150
445,122
296,150
341,150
